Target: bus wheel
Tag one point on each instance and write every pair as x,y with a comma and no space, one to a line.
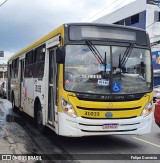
14,108
39,117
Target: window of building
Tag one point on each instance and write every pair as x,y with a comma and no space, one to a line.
128,21
135,19
121,22
140,17
157,16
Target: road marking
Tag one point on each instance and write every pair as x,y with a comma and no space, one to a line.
147,142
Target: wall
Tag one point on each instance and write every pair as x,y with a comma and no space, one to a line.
124,12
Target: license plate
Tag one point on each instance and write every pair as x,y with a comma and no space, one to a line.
111,126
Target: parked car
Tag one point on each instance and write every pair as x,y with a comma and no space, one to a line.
3,92
157,113
156,91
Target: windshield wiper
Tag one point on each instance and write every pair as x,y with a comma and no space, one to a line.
105,63
124,59
95,51
98,56
126,55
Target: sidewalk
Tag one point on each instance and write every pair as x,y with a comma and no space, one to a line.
7,145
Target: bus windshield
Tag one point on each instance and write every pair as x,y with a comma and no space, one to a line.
124,70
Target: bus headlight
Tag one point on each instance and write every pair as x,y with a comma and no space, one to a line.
68,108
147,109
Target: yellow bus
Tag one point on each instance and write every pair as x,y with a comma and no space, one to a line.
85,79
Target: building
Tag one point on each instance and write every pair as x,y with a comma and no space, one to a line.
3,72
143,14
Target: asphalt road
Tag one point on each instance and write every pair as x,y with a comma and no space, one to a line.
93,149
116,147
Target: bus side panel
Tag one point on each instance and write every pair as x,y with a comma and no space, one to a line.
28,96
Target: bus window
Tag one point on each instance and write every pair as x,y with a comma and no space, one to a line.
40,54
15,65
29,64
38,69
39,58
135,75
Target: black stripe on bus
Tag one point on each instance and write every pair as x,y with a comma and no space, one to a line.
108,118
102,125
110,130
109,109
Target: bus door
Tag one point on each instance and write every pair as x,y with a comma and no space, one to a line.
52,87
22,83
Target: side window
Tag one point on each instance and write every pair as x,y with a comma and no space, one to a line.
15,65
28,65
39,60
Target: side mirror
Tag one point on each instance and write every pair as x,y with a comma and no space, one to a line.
60,55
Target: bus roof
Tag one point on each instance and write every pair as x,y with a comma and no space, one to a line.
108,25
59,30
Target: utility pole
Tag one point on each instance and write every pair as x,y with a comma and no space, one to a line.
3,3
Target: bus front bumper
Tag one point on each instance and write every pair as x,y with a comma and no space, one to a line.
77,127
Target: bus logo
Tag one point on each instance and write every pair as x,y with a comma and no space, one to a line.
110,105
109,115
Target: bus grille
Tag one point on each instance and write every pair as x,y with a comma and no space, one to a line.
134,112
108,109
108,118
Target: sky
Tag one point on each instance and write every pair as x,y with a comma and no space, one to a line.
24,21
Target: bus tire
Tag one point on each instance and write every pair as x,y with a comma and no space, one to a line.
39,118
14,108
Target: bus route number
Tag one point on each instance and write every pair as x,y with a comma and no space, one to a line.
95,114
